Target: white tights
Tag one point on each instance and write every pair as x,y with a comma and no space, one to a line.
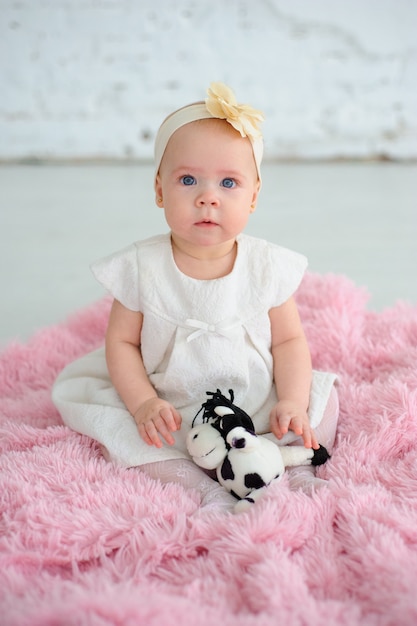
190,476
214,496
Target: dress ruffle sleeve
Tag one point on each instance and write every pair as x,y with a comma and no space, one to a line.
119,275
285,272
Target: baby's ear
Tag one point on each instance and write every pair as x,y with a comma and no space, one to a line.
158,191
255,195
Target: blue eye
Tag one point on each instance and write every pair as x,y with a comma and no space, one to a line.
229,183
188,180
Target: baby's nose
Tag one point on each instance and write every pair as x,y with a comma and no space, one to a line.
208,197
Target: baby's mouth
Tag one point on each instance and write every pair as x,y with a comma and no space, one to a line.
206,223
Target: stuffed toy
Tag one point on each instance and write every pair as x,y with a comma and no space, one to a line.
245,463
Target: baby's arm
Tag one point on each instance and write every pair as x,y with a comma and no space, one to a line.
292,374
153,415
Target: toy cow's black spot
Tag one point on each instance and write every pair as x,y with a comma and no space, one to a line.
238,442
254,481
320,456
227,470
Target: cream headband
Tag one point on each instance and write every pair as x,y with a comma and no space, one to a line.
221,103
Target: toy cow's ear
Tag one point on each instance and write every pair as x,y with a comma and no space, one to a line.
248,424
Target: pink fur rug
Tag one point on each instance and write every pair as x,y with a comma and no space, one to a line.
85,543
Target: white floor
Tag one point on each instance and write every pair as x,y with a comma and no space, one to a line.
359,220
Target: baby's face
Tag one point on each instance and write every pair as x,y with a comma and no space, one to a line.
208,182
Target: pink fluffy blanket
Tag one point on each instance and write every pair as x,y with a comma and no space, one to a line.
86,543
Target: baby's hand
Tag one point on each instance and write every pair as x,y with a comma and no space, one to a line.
288,416
157,416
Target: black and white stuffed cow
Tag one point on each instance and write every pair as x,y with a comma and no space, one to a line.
245,463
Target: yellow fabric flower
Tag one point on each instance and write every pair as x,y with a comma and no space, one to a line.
221,103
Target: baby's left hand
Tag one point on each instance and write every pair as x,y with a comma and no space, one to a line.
287,416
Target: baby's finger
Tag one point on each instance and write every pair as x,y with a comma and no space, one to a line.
169,419
297,426
152,434
165,433
309,439
275,428
284,422
314,442
144,435
163,430
177,418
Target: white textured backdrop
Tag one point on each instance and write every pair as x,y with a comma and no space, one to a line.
94,78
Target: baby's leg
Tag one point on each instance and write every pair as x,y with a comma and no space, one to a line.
326,430
304,477
186,473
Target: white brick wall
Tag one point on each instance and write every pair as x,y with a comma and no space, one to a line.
94,78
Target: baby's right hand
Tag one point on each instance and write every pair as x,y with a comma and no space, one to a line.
157,416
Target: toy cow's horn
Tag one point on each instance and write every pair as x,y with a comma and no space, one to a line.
221,411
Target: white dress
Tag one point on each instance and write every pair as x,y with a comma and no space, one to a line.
197,336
